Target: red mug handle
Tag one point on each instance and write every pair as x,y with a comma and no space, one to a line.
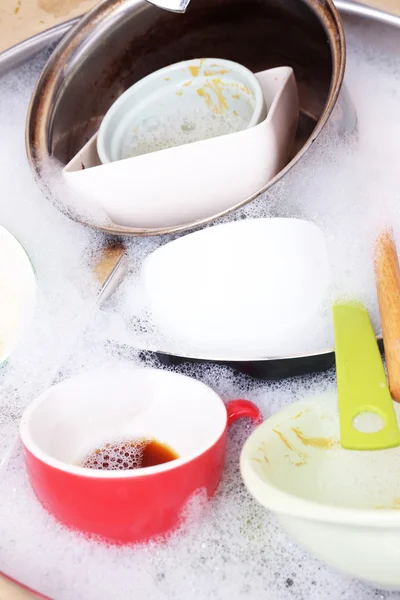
243,408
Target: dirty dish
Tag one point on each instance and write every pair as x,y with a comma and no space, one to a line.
18,293
65,423
195,300
367,416
173,186
180,104
342,505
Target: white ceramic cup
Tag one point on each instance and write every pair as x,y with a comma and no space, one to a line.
179,104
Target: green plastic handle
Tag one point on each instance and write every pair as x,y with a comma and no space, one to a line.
361,380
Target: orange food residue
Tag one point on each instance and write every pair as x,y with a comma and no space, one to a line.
315,442
301,455
194,70
214,86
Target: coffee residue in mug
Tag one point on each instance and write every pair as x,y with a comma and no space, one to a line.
128,455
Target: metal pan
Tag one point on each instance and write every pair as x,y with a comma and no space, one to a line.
118,43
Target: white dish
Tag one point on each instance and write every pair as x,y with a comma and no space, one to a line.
192,289
195,182
183,103
342,505
18,292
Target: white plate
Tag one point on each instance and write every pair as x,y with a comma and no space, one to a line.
242,288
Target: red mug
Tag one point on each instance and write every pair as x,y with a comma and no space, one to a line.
71,419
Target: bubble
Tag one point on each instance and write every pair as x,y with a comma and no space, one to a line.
179,128
116,456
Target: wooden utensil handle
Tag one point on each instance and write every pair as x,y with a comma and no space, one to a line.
387,272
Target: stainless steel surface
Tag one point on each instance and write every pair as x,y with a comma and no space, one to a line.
178,6
359,9
119,42
26,50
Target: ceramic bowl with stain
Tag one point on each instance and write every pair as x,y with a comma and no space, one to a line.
182,103
165,179
342,505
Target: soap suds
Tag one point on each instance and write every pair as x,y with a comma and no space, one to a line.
230,548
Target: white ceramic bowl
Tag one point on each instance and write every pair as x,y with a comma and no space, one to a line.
342,505
180,104
240,289
172,188
18,292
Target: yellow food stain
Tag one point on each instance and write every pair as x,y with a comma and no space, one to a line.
194,70
215,86
236,96
395,505
315,442
235,113
241,88
166,78
257,460
179,93
266,459
188,83
201,92
214,73
302,412
303,457
283,439
16,9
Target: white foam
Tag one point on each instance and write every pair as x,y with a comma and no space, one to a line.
232,548
179,128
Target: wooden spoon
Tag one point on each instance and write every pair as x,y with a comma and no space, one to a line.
387,272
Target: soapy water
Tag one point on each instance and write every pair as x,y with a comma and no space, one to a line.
232,547
179,128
